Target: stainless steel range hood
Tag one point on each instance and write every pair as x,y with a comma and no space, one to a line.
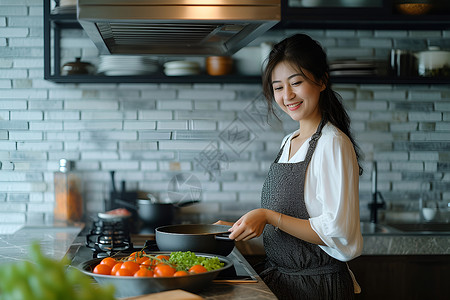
176,27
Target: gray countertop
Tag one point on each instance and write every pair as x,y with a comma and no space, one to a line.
56,240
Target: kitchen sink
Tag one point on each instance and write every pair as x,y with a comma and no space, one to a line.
368,228
421,227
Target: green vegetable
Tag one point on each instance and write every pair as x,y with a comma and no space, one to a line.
185,260
43,278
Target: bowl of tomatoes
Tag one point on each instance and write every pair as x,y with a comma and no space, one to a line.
156,271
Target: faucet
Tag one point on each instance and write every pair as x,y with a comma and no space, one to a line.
374,205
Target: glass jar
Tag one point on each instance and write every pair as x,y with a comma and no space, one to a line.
68,193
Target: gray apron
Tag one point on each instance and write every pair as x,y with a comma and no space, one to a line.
295,269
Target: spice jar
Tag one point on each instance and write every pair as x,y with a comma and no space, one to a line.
68,193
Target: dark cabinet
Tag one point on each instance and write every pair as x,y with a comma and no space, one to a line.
412,277
396,277
378,17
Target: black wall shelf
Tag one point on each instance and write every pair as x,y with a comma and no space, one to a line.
292,18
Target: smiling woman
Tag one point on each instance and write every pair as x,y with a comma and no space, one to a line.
311,193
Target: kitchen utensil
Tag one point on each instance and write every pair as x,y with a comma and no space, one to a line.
414,7
429,213
77,67
433,62
123,65
403,63
128,286
152,212
181,68
219,65
206,238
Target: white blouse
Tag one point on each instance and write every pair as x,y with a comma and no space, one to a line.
331,191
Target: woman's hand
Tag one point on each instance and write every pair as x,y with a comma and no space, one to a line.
249,225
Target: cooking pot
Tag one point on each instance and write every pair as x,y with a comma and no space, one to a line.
205,238
152,212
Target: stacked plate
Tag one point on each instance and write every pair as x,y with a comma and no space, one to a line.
353,67
181,68
127,65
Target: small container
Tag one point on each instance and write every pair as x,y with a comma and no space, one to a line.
68,193
414,7
77,67
219,65
434,62
403,63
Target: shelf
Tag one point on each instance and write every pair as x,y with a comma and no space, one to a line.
154,79
237,79
298,18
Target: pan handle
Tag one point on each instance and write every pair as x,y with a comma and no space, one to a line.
223,237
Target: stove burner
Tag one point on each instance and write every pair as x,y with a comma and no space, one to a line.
108,236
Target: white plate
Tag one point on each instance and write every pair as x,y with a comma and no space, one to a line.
181,64
126,72
181,72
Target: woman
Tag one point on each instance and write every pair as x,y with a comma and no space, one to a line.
310,196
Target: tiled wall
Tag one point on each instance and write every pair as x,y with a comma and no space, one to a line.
149,133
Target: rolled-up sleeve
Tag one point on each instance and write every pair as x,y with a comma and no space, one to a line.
334,182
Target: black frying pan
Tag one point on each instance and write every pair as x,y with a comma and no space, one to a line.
205,238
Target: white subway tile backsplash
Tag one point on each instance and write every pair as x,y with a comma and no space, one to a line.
183,145
25,135
151,132
27,115
199,94
119,165
93,125
13,32
154,115
425,116
171,125
139,125
174,105
27,42
13,104
6,124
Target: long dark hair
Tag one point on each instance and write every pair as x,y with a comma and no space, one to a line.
304,53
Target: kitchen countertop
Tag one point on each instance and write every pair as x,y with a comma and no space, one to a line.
56,240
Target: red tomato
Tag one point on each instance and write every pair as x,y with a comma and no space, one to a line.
109,261
180,273
163,257
132,266
143,272
164,270
116,268
142,259
123,272
102,269
149,263
198,269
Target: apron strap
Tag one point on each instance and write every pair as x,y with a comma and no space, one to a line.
326,269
